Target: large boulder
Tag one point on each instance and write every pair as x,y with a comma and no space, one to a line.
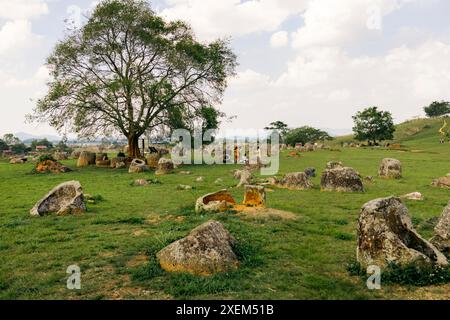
390,169
61,156
66,198
386,235
18,160
153,159
50,166
214,202
101,156
294,181
117,160
165,166
443,182
207,250
245,177
86,158
441,238
310,172
255,196
341,179
137,166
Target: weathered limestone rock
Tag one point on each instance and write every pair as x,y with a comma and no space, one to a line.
140,183
386,235
334,165
443,182
207,250
310,147
341,179
294,181
137,166
310,172
50,166
60,156
417,196
153,159
18,160
199,179
214,202
441,238
165,166
184,187
103,163
86,159
75,154
255,196
66,198
117,160
245,176
101,156
390,169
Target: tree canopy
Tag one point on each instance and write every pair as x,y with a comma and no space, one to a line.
373,125
306,134
437,109
41,142
128,71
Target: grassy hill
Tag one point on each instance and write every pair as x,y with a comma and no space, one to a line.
419,134
115,242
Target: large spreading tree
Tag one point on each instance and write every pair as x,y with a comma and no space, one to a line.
437,109
373,125
129,71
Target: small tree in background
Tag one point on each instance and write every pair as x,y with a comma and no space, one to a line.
280,127
373,125
437,109
10,139
41,142
3,146
306,134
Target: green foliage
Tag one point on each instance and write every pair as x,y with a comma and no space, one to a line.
411,275
373,125
128,71
306,134
437,109
42,142
287,258
46,157
3,145
280,127
19,148
10,139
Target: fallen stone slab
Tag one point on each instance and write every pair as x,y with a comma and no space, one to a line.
386,235
66,198
443,182
441,238
390,169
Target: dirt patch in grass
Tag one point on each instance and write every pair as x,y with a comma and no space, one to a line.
260,212
137,261
157,219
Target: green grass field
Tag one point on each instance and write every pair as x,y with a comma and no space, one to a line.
115,241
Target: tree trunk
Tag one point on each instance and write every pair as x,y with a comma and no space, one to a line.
133,146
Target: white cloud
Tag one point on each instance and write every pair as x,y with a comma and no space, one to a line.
330,22
279,39
15,35
235,18
324,87
22,9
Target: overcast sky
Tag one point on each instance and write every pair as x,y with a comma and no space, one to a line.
305,62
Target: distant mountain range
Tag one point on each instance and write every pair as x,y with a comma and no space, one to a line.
26,137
